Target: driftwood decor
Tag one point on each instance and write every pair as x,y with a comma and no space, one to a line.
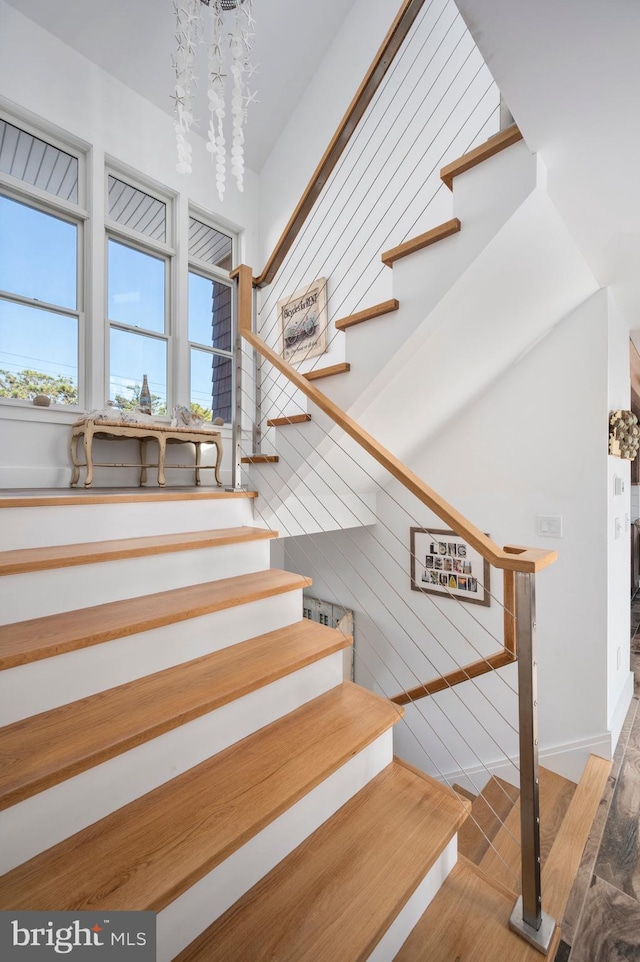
624,435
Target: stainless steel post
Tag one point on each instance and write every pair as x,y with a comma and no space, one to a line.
257,374
528,919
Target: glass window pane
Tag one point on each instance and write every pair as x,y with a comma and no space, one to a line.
38,353
38,254
211,384
136,288
209,312
132,356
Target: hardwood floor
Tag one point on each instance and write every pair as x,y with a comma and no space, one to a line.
602,918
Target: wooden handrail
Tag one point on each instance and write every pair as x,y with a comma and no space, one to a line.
355,111
510,558
481,667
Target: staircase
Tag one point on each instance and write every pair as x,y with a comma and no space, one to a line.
458,289
177,739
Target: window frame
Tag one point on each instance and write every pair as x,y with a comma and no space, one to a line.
77,214
164,250
218,275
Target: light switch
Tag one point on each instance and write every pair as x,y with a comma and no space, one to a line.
548,526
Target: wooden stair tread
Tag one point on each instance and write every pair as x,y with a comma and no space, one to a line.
291,419
488,811
555,795
26,641
45,749
260,459
468,920
336,894
421,241
491,147
22,560
55,497
147,853
327,371
379,310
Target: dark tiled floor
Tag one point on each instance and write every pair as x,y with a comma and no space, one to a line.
602,919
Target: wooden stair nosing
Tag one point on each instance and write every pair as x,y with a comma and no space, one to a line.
379,310
260,459
103,496
336,895
291,419
23,560
321,372
146,854
447,229
491,147
45,749
23,642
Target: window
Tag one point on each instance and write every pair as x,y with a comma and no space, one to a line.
40,268
138,276
210,322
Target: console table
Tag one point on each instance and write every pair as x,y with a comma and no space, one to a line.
88,429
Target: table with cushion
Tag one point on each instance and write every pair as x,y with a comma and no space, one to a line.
106,429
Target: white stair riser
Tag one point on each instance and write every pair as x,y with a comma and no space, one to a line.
185,918
409,916
42,685
36,527
38,593
43,820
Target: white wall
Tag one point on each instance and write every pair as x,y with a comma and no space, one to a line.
533,444
52,82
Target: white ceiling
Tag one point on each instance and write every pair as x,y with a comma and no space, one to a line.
134,40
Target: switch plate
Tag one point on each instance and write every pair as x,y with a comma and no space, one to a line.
548,526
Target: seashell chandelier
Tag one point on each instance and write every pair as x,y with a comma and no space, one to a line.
226,38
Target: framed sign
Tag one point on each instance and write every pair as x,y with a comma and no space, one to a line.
302,322
442,563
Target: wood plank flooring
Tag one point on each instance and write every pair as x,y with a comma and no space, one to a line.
601,921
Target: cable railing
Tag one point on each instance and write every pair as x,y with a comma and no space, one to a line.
463,674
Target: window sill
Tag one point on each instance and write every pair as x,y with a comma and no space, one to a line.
19,410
